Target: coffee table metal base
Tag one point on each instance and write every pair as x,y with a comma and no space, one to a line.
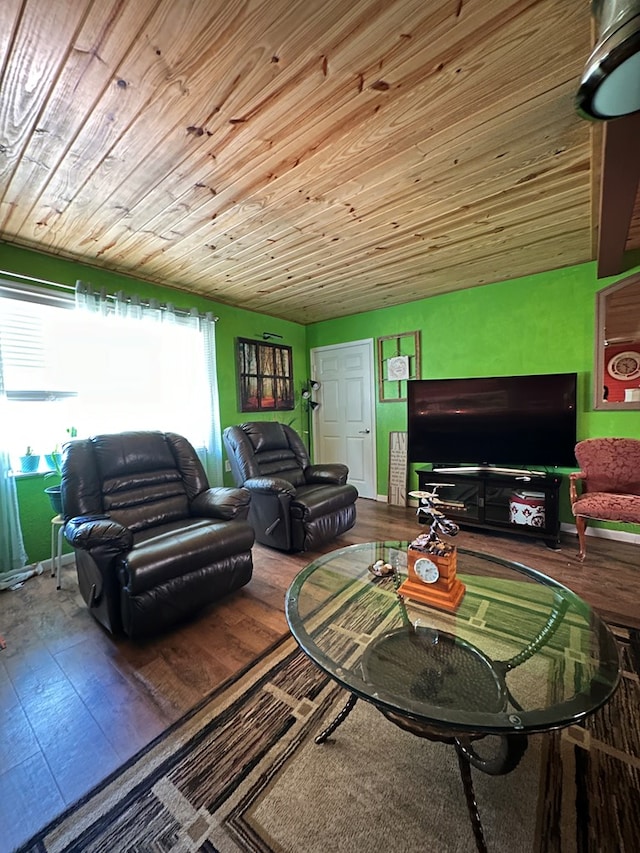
510,751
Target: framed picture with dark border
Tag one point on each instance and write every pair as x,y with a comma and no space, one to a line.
265,376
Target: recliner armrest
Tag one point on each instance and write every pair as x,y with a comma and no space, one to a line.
270,485
222,502
335,473
97,531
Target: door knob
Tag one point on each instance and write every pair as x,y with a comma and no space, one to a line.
364,431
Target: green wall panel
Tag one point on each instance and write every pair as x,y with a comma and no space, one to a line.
35,515
536,324
35,510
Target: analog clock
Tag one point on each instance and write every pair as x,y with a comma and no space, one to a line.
625,365
426,570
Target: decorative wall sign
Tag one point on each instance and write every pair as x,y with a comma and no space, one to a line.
397,368
398,361
265,376
397,487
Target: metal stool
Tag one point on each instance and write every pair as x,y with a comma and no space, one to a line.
56,548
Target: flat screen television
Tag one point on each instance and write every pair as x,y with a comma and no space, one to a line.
518,421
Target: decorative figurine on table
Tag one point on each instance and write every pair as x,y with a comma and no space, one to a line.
431,562
381,569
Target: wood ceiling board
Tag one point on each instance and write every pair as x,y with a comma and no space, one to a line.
421,215
476,163
144,66
619,188
105,151
458,234
421,276
123,205
9,22
217,205
436,141
96,48
485,215
197,241
25,82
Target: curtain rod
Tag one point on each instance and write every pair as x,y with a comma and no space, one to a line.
38,280
145,303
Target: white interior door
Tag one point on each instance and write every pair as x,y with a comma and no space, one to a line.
344,422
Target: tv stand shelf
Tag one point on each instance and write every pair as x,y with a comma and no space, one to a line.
490,469
509,500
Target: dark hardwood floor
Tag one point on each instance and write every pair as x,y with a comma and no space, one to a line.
76,703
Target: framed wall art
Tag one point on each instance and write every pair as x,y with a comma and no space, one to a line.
398,361
265,376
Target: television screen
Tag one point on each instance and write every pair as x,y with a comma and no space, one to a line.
500,420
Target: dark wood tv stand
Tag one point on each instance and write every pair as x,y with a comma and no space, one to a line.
508,500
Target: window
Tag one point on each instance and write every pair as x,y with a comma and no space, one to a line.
138,374
66,368
35,331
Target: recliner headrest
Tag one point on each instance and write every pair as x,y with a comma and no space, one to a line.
127,452
265,435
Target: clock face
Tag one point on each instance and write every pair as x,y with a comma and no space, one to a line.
625,365
426,570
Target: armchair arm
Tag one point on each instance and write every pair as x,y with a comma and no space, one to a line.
574,478
222,502
97,531
271,510
334,473
270,485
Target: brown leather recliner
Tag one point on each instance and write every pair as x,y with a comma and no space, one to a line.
295,506
153,542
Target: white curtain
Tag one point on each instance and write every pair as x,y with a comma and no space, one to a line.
213,448
13,557
170,360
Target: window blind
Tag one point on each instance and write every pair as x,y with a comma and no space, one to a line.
33,343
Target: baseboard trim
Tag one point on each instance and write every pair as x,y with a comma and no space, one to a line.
604,533
67,560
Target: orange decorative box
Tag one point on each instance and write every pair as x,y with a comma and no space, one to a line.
432,578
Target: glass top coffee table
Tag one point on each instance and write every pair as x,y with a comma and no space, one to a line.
520,654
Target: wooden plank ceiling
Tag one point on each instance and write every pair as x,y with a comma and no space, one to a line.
308,159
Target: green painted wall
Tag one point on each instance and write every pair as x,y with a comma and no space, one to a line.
538,324
35,510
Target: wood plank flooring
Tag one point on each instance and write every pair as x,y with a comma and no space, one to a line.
75,702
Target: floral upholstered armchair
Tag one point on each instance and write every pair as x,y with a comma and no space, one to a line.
610,483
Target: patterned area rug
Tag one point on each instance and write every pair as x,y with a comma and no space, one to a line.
241,773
